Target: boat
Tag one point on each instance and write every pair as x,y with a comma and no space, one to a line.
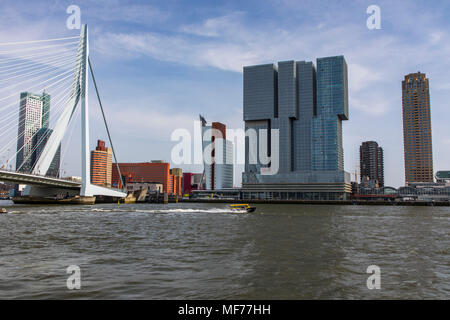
240,207
3,210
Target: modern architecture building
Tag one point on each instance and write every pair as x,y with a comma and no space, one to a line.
5,189
175,177
101,165
331,110
218,156
34,114
443,176
426,191
4,194
305,106
191,182
372,162
418,151
148,172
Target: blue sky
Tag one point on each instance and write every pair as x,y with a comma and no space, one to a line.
161,63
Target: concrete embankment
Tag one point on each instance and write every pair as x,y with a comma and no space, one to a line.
42,200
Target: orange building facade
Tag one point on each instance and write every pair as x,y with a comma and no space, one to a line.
149,172
101,165
417,139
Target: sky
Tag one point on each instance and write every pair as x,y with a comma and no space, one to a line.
161,63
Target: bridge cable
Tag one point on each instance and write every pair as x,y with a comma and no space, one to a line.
68,140
27,68
106,124
36,41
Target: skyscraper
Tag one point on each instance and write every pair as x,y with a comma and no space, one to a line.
39,141
372,162
307,108
45,98
101,165
34,114
332,108
417,139
217,156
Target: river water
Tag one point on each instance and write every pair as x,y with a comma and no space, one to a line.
204,251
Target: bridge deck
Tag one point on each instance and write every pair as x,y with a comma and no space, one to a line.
31,179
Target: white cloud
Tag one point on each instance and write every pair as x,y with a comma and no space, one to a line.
175,49
160,124
436,37
214,27
361,77
132,13
377,61
371,107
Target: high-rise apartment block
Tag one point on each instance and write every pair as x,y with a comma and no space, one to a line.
417,139
101,165
372,162
175,181
218,153
33,133
307,106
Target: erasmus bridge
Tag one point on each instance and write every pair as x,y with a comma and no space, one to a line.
59,68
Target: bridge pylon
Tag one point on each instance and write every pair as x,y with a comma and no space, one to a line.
79,96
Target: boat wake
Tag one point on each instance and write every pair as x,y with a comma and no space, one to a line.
191,210
125,211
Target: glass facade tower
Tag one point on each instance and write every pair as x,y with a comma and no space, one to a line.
33,133
31,120
307,106
332,108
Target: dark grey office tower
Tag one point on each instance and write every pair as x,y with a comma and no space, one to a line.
380,167
307,108
372,162
39,142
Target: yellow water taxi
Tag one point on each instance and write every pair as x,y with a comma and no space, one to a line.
240,207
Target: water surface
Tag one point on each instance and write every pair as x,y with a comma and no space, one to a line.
203,251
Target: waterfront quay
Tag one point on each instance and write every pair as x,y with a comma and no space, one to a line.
323,202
